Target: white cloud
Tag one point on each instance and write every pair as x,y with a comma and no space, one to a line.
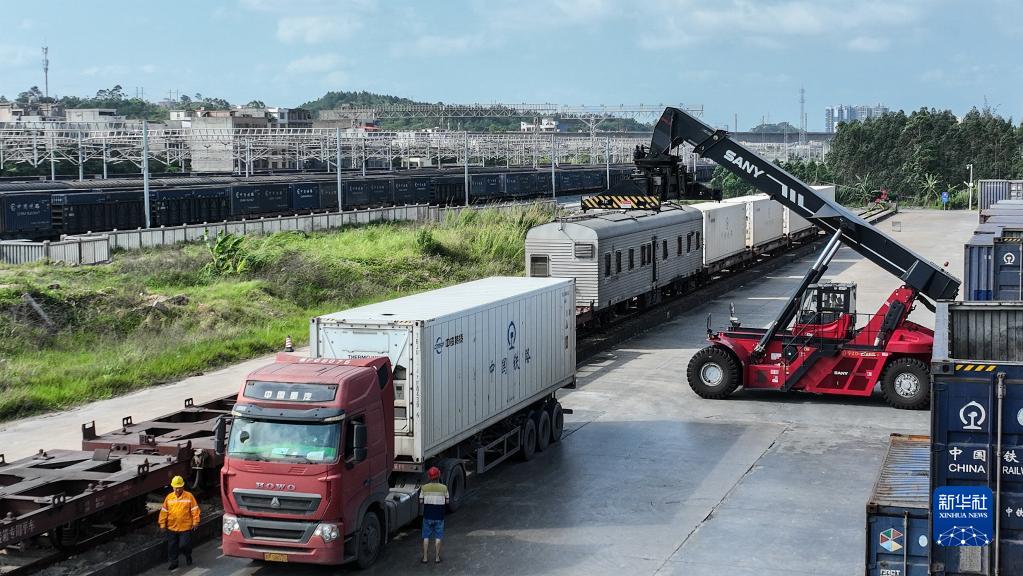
26,24
436,45
315,29
336,78
313,64
148,68
868,44
14,56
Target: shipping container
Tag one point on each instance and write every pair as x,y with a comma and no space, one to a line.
485,187
794,223
977,426
1007,210
724,232
328,195
464,357
413,190
449,190
367,193
991,191
898,510
765,221
305,196
25,214
992,261
97,211
259,199
177,206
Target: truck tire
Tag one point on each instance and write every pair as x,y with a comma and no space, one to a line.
713,373
455,482
527,439
557,421
543,430
906,384
370,540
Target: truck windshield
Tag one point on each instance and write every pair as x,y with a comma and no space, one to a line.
284,441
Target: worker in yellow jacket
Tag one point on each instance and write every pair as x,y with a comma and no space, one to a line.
178,518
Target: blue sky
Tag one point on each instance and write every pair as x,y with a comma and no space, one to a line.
732,56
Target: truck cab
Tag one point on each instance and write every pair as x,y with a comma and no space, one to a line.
308,460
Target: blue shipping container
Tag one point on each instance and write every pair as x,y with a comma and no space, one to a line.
897,511
258,199
305,196
977,425
25,212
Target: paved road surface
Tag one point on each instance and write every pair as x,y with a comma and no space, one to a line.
653,480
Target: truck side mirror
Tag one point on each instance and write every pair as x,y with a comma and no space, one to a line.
359,441
220,436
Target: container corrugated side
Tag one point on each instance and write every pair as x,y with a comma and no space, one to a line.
978,331
897,524
462,371
991,191
724,229
977,431
765,221
977,268
794,222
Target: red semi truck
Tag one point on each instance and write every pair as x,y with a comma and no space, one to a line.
325,454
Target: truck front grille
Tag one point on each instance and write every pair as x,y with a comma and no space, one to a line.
277,533
276,502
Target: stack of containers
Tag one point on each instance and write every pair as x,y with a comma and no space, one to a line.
992,266
991,191
977,427
897,511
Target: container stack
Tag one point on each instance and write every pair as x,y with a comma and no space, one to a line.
992,268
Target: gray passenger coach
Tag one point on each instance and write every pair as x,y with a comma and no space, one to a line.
617,256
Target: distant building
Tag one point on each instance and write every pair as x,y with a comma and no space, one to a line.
833,115
106,116
546,125
33,112
290,117
212,142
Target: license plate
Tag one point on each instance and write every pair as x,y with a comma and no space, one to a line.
275,557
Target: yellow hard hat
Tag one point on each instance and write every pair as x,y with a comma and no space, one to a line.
177,482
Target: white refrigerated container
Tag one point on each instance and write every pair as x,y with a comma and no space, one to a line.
465,357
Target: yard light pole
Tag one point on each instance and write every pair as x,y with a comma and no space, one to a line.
970,184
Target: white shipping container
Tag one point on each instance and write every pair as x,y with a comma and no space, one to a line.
765,219
465,357
794,222
724,230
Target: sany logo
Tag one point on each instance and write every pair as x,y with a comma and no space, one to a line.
744,164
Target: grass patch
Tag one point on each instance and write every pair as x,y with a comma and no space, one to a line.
157,315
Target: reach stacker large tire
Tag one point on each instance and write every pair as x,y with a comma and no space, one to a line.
906,384
713,373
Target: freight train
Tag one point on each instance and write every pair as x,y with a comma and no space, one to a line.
634,257
44,210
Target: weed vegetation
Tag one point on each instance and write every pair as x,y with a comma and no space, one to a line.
157,315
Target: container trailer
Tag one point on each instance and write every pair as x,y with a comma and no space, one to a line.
326,454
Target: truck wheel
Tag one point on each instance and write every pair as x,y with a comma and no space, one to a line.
713,373
543,430
527,436
456,487
906,384
370,540
557,422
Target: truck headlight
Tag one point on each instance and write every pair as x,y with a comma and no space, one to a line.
230,524
328,532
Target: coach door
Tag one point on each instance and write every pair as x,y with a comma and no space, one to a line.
653,255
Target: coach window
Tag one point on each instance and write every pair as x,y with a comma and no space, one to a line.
689,243
539,266
642,255
583,251
618,261
664,251
679,245
697,240
632,258
607,265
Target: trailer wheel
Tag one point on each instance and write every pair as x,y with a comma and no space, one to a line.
557,421
906,384
456,487
543,430
370,540
527,444
713,373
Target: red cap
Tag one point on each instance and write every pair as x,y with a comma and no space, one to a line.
433,473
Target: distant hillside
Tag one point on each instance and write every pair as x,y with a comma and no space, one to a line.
332,100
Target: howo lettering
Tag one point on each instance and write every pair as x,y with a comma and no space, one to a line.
325,458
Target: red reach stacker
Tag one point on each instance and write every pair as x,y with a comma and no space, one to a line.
814,344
